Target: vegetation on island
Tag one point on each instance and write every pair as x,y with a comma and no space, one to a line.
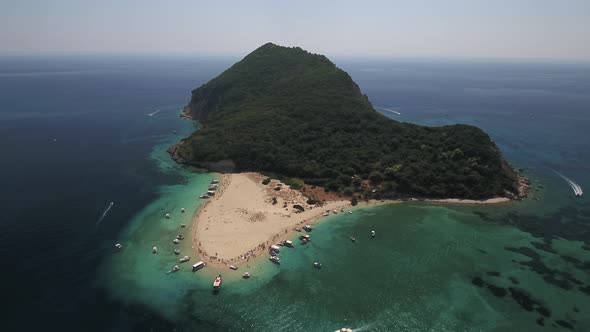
286,112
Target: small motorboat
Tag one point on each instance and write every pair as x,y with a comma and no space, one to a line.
334,212
349,212
307,228
352,238
184,259
180,237
275,259
288,243
275,248
203,196
217,283
214,181
372,233
182,225
246,275
167,215
175,268
325,214
344,329
177,251
233,267
198,265
182,210
176,241
154,250
118,246
111,203
317,265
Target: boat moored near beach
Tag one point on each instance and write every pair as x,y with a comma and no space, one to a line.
275,259
176,241
203,197
154,250
233,267
288,243
175,268
184,259
198,265
182,210
307,228
275,248
246,275
217,283
177,251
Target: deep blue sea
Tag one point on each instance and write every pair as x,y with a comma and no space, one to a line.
75,135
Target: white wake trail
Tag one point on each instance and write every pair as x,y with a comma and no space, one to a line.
153,113
575,187
104,214
389,110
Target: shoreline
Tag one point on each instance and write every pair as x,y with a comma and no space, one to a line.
245,217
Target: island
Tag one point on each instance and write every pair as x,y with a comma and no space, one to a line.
288,116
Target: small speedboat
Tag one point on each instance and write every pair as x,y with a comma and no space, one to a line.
352,238
317,265
288,243
176,241
325,214
349,212
182,210
175,268
233,267
184,259
217,283
198,265
275,259
111,203
307,228
180,237
177,251
334,212
344,329
154,250
246,275
167,215
118,246
183,225
372,233
203,196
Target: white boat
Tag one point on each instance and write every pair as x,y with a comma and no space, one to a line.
372,233
176,241
118,246
203,196
181,210
349,212
175,268
111,203
344,329
210,193
275,259
198,265
352,238
246,275
325,214
334,212
233,267
307,228
305,237
167,215
317,265
217,283
180,237
177,251
288,243
183,225
154,250
213,187
214,181
184,259
275,248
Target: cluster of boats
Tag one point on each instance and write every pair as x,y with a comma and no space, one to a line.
213,186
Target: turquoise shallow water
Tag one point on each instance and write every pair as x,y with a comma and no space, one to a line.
522,266
416,275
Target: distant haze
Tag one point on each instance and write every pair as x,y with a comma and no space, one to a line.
543,29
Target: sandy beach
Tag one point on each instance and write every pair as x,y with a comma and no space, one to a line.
245,217
241,221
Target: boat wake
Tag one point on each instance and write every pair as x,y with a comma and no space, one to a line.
154,113
575,187
104,214
388,110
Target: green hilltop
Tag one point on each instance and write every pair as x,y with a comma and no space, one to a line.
293,114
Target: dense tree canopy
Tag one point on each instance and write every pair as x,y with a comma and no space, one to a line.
286,111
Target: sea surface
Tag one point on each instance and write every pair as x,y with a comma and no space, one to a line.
77,133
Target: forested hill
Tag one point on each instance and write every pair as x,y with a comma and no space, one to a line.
295,114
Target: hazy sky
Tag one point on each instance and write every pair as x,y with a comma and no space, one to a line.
471,28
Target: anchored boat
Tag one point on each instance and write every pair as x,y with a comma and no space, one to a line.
217,283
